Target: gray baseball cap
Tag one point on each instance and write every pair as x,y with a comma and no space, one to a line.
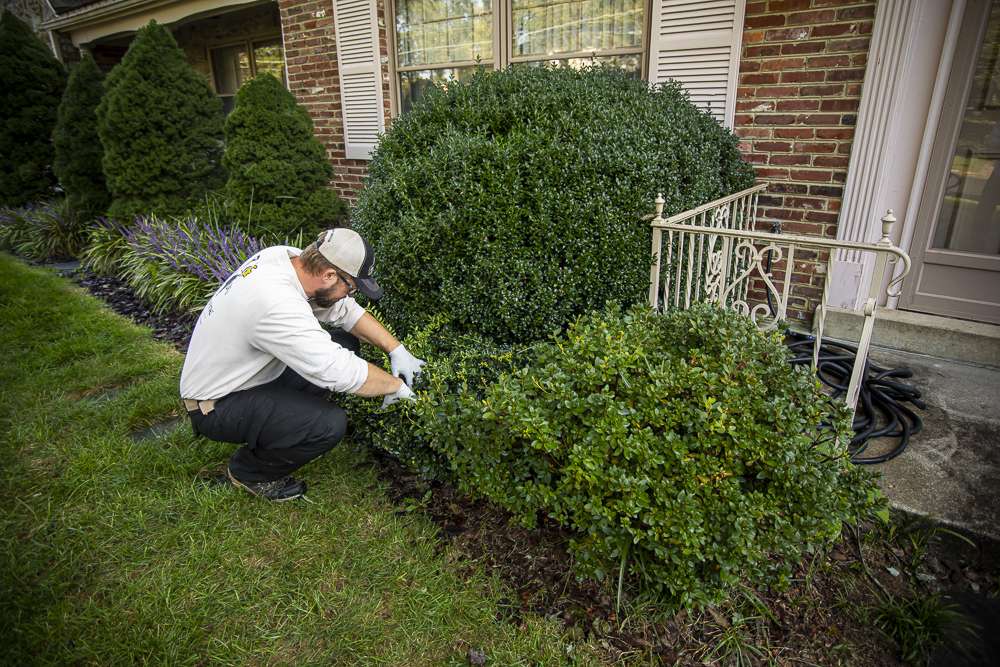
346,250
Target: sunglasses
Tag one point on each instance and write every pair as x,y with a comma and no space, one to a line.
352,289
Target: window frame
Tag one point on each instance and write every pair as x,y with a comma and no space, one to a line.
503,12
248,43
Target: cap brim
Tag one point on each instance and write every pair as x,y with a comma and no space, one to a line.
369,288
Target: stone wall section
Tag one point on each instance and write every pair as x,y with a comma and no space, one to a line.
313,77
801,71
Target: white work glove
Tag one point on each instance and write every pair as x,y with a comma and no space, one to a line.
403,393
405,365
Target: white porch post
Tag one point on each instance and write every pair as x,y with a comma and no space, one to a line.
903,60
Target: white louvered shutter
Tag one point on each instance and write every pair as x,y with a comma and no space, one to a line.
356,25
697,42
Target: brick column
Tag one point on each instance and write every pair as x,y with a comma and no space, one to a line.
801,70
313,77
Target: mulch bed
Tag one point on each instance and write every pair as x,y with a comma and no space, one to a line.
819,619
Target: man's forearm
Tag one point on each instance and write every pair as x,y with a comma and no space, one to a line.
379,383
369,330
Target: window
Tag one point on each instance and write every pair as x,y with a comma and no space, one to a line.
232,66
440,41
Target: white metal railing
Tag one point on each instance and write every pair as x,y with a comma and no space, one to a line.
713,253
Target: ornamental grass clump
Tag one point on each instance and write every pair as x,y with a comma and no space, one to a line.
278,170
42,232
511,201
682,449
173,264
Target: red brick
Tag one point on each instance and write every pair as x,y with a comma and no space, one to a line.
749,65
806,203
826,191
764,21
760,78
788,188
754,158
753,8
787,34
794,133
742,119
773,146
857,13
798,105
769,172
839,105
802,47
753,132
766,51
811,18
834,133
788,5
783,64
776,91
836,30
783,213
846,75
828,61
753,36
807,76
820,119
821,216
790,160
809,175
775,119
857,44
822,91
814,147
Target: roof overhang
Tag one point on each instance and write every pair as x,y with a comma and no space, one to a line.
116,17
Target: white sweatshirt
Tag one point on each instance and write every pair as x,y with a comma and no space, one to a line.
258,323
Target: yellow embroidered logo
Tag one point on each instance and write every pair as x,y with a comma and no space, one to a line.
247,271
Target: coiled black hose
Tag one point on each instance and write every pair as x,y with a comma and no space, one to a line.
881,412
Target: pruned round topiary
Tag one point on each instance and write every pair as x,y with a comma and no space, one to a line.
78,151
278,171
31,85
682,445
161,128
512,201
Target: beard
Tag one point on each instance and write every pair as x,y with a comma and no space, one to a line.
324,297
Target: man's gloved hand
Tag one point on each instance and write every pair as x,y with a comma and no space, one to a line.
405,365
403,393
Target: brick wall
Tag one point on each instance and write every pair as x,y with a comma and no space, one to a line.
801,70
313,77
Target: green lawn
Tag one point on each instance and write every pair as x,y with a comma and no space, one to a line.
114,551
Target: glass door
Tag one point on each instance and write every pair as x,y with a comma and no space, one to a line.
956,249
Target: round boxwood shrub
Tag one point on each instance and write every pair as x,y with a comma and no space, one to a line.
31,84
78,151
683,445
512,201
278,171
161,128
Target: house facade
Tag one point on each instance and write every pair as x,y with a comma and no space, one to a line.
846,108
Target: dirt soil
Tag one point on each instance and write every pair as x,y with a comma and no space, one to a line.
826,616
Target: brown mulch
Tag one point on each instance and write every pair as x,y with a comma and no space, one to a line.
822,618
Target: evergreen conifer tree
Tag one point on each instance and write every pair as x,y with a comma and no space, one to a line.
31,84
161,128
278,171
78,149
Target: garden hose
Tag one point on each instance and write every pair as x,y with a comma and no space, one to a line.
882,411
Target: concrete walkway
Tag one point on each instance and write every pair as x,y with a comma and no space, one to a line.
951,471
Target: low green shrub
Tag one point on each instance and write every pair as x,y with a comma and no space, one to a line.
48,231
683,446
511,201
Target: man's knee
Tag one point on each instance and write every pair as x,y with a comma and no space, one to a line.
329,427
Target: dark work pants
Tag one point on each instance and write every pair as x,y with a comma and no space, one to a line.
283,424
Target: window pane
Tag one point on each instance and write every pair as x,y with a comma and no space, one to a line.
231,66
630,63
547,27
969,217
268,57
412,85
443,31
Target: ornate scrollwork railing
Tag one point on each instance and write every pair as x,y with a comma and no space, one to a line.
713,253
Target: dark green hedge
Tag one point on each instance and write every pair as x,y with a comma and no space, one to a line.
31,85
682,444
278,171
161,128
512,201
78,151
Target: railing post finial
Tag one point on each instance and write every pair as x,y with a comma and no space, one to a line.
660,201
888,220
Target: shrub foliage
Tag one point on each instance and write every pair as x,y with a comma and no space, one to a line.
161,128
512,200
31,84
682,445
278,171
78,151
